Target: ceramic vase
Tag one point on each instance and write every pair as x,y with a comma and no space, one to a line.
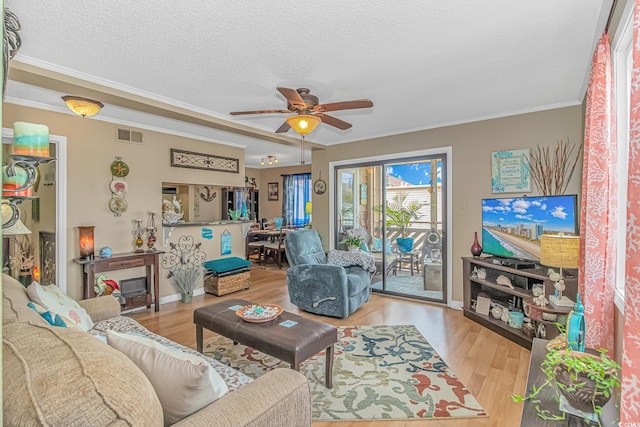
476,249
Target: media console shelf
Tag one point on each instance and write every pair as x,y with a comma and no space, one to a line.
523,280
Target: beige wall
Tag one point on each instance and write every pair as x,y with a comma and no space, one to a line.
472,145
91,147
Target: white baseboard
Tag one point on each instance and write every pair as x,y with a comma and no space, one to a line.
456,305
177,297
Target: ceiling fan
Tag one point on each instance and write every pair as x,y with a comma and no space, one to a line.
303,103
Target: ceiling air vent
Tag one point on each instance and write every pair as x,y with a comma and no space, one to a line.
127,135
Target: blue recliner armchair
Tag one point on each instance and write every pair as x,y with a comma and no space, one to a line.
318,287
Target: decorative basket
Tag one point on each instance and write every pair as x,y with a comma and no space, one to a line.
579,390
222,285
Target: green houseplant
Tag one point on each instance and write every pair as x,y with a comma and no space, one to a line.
353,242
586,380
401,214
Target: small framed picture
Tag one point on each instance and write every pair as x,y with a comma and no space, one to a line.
272,191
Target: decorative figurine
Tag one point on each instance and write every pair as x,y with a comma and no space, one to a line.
106,252
558,299
151,232
138,233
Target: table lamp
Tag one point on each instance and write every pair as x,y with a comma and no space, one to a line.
307,210
563,252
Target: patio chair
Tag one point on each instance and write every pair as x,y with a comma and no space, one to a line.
374,245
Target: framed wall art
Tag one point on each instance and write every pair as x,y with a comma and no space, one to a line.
510,171
272,191
47,258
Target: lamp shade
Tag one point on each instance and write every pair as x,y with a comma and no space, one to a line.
307,208
15,229
83,106
303,124
560,251
86,242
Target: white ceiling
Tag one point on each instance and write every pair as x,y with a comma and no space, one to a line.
423,64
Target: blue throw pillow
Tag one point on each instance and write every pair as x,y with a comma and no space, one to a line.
364,247
376,244
52,319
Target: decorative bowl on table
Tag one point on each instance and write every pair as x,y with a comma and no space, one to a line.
258,313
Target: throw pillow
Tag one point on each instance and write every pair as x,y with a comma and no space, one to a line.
52,318
184,383
53,299
364,247
376,244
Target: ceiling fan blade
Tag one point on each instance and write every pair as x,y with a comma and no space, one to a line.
293,97
283,128
330,120
344,105
236,113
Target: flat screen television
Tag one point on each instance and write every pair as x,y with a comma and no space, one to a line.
511,227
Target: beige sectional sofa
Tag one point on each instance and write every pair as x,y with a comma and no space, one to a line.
67,377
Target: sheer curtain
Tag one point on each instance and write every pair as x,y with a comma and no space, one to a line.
630,409
599,201
296,192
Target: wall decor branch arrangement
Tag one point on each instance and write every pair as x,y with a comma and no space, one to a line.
552,169
184,262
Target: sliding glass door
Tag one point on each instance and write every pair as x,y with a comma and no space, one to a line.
397,209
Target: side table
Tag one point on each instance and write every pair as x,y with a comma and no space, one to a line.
610,411
119,262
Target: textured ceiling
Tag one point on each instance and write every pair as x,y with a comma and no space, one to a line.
423,64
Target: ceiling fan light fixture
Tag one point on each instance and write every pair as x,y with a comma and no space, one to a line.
303,124
83,106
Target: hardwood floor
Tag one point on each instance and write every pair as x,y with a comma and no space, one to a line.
491,366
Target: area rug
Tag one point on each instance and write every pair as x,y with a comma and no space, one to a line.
379,372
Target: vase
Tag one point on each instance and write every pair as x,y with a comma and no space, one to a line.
476,249
186,298
24,277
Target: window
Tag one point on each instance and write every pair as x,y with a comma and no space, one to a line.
296,193
623,65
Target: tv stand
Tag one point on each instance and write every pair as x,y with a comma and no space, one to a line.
513,263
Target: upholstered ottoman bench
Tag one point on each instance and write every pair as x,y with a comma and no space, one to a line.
226,275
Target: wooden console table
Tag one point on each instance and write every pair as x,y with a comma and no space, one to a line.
119,262
610,412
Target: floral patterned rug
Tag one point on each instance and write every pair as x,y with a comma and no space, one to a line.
379,372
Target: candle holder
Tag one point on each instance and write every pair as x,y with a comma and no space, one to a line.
151,232
86,242
138,233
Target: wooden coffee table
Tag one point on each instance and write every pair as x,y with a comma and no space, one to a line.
293,344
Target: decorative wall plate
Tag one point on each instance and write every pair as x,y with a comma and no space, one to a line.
118,186
319,186
118,205
119,169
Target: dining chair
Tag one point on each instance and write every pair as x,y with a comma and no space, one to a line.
255,245
275,249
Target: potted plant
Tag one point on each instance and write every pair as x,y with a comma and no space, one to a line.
23,260
401,214
353,243
585,380
184,262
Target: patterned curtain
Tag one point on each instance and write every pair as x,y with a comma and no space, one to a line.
296,192
630,409
599,199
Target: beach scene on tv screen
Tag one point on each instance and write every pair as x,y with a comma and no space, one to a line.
512,227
